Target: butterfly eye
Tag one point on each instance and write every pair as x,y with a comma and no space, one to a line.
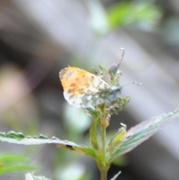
113,69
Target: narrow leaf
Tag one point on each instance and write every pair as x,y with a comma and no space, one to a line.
20,138
117,139
14,168
141,132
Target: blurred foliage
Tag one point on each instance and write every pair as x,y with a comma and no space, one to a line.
13,163
141,14
170,31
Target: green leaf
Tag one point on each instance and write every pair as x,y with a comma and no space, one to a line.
144,14
15,168
116,139
12,158
103,69
141,132
13,162
20,138
119,13
93,135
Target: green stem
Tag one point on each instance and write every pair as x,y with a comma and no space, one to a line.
103,168
100,146
103,138
103,174
93,135
104,164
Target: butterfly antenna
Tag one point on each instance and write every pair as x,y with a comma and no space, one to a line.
122,57
131,83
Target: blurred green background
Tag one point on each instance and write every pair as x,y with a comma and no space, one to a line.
39,38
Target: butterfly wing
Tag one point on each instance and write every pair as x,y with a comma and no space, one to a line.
83,89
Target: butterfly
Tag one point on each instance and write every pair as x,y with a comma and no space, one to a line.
83,89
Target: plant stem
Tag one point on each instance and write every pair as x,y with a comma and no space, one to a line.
103,138
100,146
103,168
103,174
93,135
103,165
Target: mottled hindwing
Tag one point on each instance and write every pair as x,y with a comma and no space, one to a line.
83,89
